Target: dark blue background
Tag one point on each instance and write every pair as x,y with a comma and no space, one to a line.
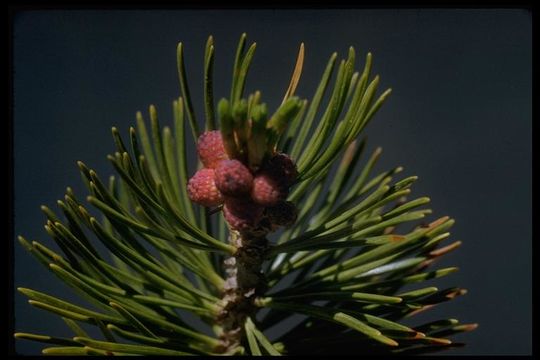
459,118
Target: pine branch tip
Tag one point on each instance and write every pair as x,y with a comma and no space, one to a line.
143,202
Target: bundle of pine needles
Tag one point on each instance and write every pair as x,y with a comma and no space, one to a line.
356,240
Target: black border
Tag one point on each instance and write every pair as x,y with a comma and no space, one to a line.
13,10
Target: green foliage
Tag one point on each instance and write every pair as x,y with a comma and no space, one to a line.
356,244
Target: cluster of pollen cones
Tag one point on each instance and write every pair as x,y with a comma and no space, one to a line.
251,198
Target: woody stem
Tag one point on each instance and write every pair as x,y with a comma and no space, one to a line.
245,281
